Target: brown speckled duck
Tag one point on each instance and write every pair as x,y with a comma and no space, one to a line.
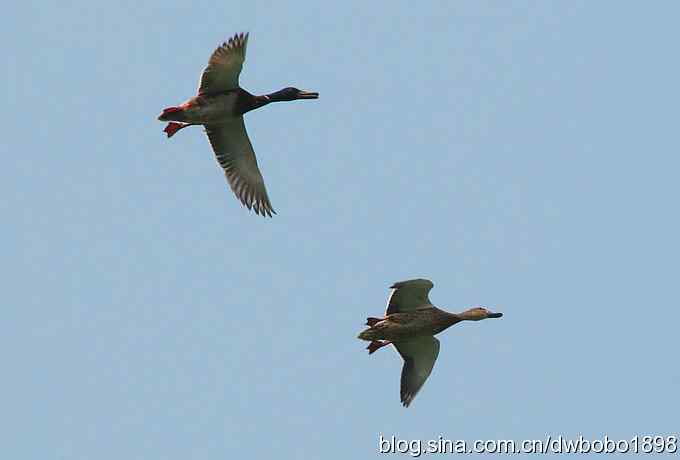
219,107
410,324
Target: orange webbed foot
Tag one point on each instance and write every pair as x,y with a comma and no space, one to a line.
372,321
173,127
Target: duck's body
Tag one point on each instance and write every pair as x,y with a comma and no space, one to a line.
202,110
231,104
220,106
410,324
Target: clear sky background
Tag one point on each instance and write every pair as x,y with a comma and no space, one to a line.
522,155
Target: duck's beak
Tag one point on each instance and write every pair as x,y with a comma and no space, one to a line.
495,315
308,95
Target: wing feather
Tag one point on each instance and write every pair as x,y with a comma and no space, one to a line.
409,295
419,357
235,154
224,66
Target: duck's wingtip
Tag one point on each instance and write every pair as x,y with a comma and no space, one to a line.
414,282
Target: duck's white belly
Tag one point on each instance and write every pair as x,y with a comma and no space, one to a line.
213,109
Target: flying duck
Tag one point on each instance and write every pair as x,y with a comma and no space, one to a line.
219,107
410,324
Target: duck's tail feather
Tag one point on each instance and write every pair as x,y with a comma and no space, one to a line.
173,114
367,334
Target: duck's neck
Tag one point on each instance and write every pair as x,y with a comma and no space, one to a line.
248,102
276,96
253,102
450,318
468,315
444,320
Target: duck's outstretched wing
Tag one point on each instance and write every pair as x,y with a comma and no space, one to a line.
419,357
409,295
224,66
235,154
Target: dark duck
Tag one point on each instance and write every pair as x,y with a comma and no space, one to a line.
219,107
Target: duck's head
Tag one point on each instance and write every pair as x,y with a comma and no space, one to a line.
292,94
479,313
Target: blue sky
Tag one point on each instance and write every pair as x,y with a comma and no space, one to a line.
523,156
